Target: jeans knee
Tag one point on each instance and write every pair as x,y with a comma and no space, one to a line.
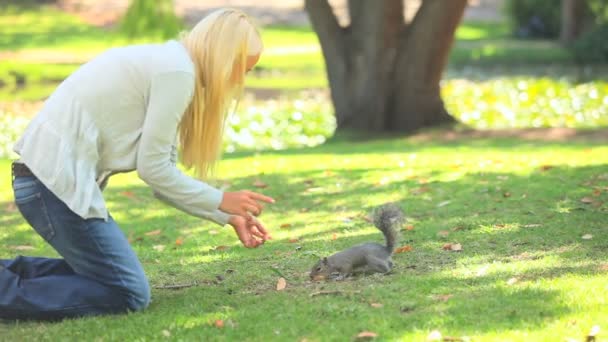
139,296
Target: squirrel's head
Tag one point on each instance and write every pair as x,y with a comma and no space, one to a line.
321,270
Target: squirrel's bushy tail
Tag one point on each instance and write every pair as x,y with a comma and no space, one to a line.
389,218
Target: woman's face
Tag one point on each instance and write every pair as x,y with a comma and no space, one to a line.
250,63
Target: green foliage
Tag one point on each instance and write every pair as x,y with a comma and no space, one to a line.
518,102
534,18
154,18
592,46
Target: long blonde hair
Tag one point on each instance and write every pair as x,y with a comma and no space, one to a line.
219,46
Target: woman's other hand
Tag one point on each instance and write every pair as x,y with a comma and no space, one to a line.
244,203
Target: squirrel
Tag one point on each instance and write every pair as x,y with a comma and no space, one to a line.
367,257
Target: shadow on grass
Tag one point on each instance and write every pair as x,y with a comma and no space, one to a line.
541,219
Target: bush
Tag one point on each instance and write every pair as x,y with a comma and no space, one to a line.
592,47
151,18
534,18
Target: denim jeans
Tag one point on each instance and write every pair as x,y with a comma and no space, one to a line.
98,274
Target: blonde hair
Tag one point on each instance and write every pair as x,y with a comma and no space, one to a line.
219,46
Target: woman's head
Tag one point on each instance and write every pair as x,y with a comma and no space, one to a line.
223,46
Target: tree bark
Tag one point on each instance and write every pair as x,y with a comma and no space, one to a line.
383,74
572,20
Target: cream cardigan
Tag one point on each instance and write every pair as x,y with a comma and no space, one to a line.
119,112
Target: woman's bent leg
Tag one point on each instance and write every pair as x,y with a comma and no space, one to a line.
104,274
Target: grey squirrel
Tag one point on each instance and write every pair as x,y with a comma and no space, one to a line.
367,257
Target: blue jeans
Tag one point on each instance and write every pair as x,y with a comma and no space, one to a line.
99,272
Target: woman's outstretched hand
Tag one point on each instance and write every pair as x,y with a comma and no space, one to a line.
244,203
250,231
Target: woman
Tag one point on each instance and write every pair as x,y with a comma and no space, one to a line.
125,111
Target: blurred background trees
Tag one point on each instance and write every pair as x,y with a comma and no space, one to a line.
360,65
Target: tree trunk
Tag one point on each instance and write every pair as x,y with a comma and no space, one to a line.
383,74
572,20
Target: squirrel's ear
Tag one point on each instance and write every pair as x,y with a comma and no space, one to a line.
325,261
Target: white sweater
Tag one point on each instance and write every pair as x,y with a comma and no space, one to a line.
119,112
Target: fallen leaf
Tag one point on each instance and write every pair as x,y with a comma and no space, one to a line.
285,225
21,248
531,225
281,284
409,227
159,248
512,281
587,200
166,333
443,298
546,167
506,194
443,204
259,184
128,194
218,323
435,335
334,236
293,240
221,248
421,190
587,237
443,233
367,334
604,267
597,192
11,207
455,247
179,241
403,249
376,305
213,232
153,232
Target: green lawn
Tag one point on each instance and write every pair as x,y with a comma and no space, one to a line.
530,216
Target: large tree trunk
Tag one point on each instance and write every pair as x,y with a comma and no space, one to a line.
572,20
383,74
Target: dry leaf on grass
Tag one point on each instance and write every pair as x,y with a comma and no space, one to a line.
159,248
367,335
443,204
128,194
11,207
443,233
179,241
376,305
587,237
221,248
587,200
443,297
403,249
21,248
166,333
408,227
452,247
259,184
218,323
285,225
293,240
281,284
512,281
153,232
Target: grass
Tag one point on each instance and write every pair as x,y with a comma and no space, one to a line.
519,208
